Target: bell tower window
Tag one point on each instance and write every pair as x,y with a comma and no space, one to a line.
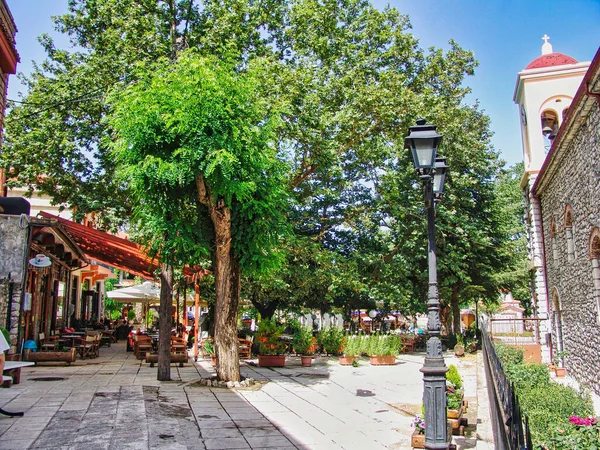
549,120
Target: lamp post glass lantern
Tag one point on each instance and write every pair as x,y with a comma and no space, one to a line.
423,140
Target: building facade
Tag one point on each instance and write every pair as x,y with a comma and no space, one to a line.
544,92
568,191
9,57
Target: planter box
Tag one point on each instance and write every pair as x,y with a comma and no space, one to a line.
455,413
67,357
417,440
383,360
271,360
347,360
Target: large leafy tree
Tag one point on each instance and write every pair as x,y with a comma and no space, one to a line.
195,142
515,276
53,140
351,78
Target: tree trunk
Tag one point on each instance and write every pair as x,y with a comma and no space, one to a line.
227,285
455,310
164,331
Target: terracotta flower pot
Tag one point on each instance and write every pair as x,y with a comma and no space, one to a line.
383,360
417,440
271,360
347,360
306,360
560,371
213,360
459,350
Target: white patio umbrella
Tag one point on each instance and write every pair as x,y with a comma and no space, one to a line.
144,293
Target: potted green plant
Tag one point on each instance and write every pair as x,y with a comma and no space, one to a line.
559,366
209,349
454,398
271,348
459,348
351,349
331,340
304,344
417,439
383,349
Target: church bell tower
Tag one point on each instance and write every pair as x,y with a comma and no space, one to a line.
543,93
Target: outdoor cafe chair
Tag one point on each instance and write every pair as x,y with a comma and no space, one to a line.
143,345
48,344
87,347
178,345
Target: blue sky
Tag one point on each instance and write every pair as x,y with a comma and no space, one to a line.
505,36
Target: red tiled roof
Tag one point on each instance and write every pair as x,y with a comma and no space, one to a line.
108,249
549,60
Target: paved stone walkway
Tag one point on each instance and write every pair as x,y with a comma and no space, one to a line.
115,402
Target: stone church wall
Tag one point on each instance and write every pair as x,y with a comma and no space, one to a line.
575,181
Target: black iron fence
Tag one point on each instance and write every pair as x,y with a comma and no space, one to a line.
510,427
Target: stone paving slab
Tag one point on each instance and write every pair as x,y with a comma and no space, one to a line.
115,402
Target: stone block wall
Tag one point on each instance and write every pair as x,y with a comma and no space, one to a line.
575,181
13,248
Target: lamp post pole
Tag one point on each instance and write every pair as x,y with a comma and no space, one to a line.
423,141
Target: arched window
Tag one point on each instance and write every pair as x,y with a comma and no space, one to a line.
569,233
549,120
553,233
594,252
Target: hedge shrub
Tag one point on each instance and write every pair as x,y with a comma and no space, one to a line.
548,405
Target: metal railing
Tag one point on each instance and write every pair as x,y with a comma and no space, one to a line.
510,426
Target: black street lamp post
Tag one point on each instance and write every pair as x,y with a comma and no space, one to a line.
423,142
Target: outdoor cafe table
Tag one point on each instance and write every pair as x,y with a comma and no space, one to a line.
69,339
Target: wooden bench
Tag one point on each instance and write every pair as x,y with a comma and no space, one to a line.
180,358
12,369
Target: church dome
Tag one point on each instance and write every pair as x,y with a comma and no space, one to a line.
549,60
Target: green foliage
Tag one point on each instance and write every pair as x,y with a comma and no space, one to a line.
559,356
208,347
150,316
346,80
453,377
576,437
514,276
191,134
303,341
509,356
455,399
380,344
549,408
352,345
547,404
131,315
532,375
268,336
331,340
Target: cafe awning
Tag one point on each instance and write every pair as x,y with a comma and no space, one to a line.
107,248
